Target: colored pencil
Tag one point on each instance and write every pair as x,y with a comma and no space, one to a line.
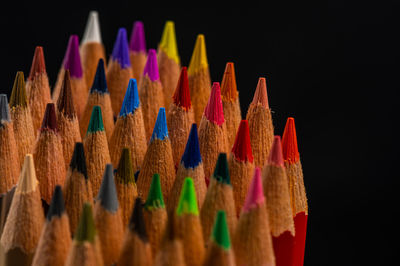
126,186
85,248
241,165
155,214
199,78
260,124
67,120
188,225
150,92
107,218
137,50
169,62
158,159
252,241
119,70
25,220
297,190
129,129
22,120
276,191
230,102
9,164
55,238
219,196
136,249
98,95
5,200
72,62
77,187
219,251
190,165
48,155
212,131
38,88
180,116
91,48
96,149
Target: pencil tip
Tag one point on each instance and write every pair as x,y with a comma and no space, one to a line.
38,64
99,84
275,156
187,200
64,102
96,120
4,110
198,60
78,161
182,93
86,230
136,222
228,86
191,156
160,130
72,59
18,93
242,146
92,30
137,42
131,100
155,198
108,193
27,179
121,51
260,95
168,42
125,173
289,142
57,207
255,194
221,171
214,110
151,67
49,118
220,232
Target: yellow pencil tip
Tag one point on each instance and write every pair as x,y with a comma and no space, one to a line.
199,57
168,42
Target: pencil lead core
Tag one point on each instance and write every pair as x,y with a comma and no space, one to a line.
72,59
131,100
136,222
137,42
191,156
289,142
125,173
228,86
92,30
64,102
160,130
155,198
96,120
49,118
38,63
242,146
57,206
214,110
220,232
187,200
221,171
260,95
168,42
275,156
99,84
198,60
255,194
151,67
121,51
108,192
86,230
78,161
182,93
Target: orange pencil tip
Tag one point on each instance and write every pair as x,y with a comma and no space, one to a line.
228,86
289,142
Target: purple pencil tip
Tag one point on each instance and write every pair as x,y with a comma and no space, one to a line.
137,42
151,68
121,51
72,59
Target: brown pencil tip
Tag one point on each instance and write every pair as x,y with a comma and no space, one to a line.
64,102
18,94
228,86
38,64
27,179
261,96
49,118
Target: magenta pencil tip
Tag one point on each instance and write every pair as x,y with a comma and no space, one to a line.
214,111
72,59
151,68
255,195
137,42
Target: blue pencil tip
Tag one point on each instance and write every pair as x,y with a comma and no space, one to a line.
160,130
121,49
191,156
131,100
99,83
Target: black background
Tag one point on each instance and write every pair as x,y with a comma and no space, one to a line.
333,65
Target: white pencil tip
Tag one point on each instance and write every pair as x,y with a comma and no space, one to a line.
92,30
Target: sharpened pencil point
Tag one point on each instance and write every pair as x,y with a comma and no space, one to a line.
220,232
96,120
27,179
131,100
86,230
255,194
137,42
221,171
228,86
155,198
191,156
108,192
187,200
4,109
242,146
168,42
125,173
99,83
151,67
121,51
18,94
78,161
49,118
214,110
275,156
72,59
182,93
289,142
160,130
260,95
57,207
198,60
38,64
136,223
64,102
92,30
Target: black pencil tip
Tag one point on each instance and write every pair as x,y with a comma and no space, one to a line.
136,223
57,207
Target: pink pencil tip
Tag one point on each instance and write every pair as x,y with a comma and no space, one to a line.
261,96
151,68
275,156
214,111
72,59
255,194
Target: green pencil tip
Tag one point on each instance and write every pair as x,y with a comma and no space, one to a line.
155,197
96,120
86,230
220,232
187,201
125,173
221,171
18,93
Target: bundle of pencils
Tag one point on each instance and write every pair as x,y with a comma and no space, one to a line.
142,161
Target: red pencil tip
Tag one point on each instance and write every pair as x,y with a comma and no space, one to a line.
261,96
275,155
182,94
49,118
242,147
228,86
214,111
289,142
38,64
